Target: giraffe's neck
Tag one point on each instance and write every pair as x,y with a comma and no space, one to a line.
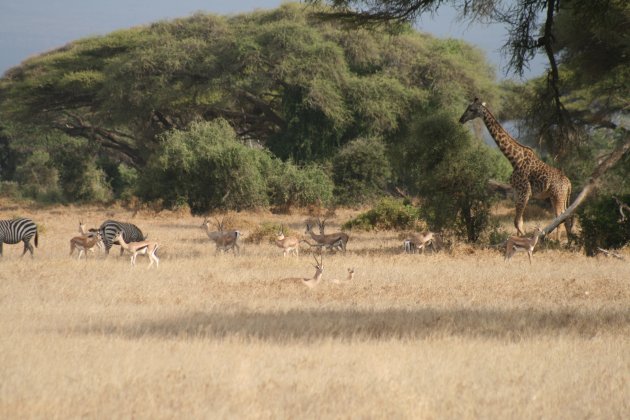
513,150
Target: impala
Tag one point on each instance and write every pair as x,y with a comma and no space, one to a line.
224,240
518,243
290,244
91,233
332,241
143,247
419,242
84,244
309,282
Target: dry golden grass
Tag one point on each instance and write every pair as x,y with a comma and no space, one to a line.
413,336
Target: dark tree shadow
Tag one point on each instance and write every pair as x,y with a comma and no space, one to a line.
309,325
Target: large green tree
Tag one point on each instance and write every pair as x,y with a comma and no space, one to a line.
301,86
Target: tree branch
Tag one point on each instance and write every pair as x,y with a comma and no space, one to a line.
610,161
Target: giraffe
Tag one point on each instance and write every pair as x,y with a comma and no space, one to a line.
531,176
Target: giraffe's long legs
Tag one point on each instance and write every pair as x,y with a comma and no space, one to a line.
522,192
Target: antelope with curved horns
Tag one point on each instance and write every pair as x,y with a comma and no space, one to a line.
332,241
223,240
309,282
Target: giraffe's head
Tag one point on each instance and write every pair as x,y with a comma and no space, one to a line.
474,110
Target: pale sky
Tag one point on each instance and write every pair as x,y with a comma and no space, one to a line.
31,27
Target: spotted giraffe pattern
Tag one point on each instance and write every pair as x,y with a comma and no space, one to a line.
531,177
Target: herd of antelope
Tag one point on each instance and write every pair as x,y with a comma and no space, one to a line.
131,239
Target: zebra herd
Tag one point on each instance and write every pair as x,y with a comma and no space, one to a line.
23,230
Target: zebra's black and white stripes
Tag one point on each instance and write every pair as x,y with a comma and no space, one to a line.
109,229
16,230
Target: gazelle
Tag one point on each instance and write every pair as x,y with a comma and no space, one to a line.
518,243
289,244
332,241
90,233
312,282
84,244
224,240
347,280
144,247
419,242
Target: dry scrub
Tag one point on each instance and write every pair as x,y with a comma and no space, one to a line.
433,336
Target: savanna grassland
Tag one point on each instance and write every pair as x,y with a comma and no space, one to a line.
444,335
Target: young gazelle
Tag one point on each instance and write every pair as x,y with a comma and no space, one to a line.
312,282
347,280
135,248
84,244
289,244
91,233
517,243
224,240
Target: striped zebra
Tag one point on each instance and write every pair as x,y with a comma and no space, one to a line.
16,230
110,228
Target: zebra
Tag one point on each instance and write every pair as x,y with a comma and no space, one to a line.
16,230
110,228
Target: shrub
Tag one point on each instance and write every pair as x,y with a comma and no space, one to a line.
38,178
361,171
602,225
387,214
207,168
293,186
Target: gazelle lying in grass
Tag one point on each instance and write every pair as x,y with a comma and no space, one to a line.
91,233
289,244
332,241
144,247
347,280
419,242
224,240
515,244
312,282
84,244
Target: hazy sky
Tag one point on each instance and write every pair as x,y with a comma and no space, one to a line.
30,27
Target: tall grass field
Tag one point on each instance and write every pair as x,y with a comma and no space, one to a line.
457,335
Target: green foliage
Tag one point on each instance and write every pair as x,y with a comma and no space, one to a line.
301,86
439,161
602,225
207,168
387,214
293,186
38,178
361,171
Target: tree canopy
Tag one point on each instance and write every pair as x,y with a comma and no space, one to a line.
283,78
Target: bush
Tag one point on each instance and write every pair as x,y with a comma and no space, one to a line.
207,168
293,186
361,171
38,178
388,214
602,225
